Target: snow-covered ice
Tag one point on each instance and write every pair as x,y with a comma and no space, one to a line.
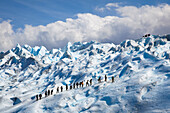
141,69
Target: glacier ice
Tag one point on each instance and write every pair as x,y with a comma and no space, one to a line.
141,69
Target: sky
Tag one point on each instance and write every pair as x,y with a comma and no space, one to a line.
54,23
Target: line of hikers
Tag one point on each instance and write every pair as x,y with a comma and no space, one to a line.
75,85
105,77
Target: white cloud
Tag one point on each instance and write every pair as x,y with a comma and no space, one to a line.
6,35
108,6
101,9
133,23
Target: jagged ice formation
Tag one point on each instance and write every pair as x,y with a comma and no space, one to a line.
141,69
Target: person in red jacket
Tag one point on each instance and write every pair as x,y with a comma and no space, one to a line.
81,84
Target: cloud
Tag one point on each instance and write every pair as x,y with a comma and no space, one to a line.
108,6
132,23
6,35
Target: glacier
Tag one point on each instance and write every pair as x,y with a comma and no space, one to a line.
141,69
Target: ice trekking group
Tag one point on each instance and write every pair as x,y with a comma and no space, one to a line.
71,86
77,85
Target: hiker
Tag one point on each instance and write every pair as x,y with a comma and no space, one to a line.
45,93
77,84
90,81
48,92
82,83
74,85
40,95
66,87
99,80
112,79
52,92
87,83
105,78
70,87
61,88
36,97
57,90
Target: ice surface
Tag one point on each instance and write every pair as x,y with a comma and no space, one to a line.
141,69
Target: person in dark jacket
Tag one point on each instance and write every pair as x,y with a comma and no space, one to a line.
87,83
99,80
112,79
36,97
70,86
66,87
45,93
90,81
48,92
74,86
77,84
80,84
61,88
52,92
57,90
40,95
105,78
